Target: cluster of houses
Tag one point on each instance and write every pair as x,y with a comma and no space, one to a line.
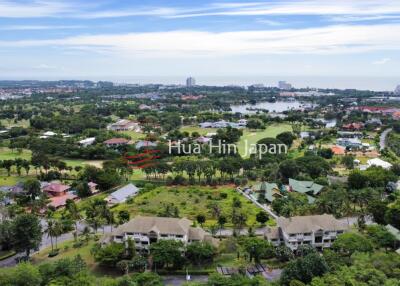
125,125
224,124
117,142
57,193
271,191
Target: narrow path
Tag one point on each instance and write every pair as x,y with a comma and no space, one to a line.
261,206
383,137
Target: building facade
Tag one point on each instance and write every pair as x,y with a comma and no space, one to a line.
146,230
319,231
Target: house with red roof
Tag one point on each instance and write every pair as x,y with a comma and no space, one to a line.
116,142
353,126
58,194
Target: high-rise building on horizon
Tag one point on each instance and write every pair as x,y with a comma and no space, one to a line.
284,85
397,90
190,81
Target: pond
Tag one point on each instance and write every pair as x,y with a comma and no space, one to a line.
275,107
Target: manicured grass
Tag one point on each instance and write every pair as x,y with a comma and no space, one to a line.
66,250
12,180
201,131
8,154
251,136
190,201
10,123
134,135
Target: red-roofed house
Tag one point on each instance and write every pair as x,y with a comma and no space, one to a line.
93,187
338,150
58,194
353,126
56,189
60,201
115,142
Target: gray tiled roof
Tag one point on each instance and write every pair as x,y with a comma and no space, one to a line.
303,224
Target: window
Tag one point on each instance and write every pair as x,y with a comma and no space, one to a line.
145,242
164,235
179,236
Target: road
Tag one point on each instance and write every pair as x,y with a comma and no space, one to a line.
46,242
382,138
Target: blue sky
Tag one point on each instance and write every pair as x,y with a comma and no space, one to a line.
301,39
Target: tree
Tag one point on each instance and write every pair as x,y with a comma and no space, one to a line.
108,255
283,253
123,216
74,214
167,253
221,223
286,137
262,217
83,190
288,169
381,236
392,214
201,219
256,248
348,243
200,253
51,232
32,188
304,269
326,153
27,233
377,208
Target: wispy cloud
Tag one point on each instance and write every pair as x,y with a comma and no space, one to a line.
326,40
34,9
39,27
381,61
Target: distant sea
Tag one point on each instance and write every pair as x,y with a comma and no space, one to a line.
345,82
340,82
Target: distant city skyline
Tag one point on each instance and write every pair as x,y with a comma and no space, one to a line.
351,44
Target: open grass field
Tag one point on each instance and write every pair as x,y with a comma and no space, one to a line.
8,154
10,123
251,137
134,135
201,131
190,202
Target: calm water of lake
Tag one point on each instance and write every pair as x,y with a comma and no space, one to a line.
278,106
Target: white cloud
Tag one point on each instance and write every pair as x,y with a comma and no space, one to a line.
381,61
305,7
326,40
34,9
39,27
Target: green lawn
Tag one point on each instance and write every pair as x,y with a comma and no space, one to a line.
251,137
201,131
10,123
134,135
190,201
8,154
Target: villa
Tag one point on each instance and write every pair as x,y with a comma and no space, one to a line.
319,231
146,230
308,188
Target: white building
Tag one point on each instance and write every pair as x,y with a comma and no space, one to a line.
319,231
397,90
190,81
146,230
284,85
379,163
86,142
122,194
124,125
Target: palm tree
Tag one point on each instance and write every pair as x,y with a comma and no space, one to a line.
58,230
74,214
51,231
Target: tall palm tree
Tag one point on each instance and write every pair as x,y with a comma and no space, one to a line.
58,226
74,214
51,231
